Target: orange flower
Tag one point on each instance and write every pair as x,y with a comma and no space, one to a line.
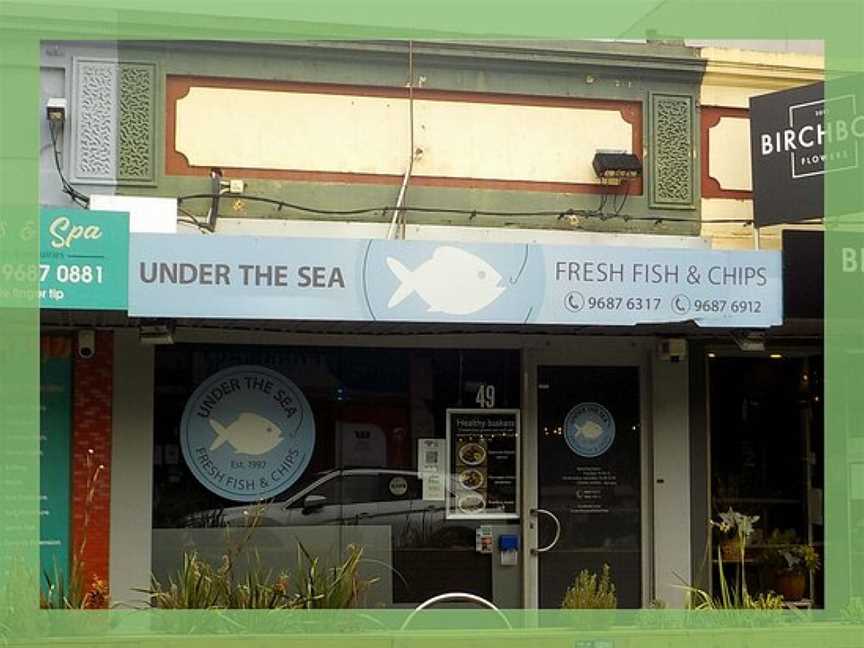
97,596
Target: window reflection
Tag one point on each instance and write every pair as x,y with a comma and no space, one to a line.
371,407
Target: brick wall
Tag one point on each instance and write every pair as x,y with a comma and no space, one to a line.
91,456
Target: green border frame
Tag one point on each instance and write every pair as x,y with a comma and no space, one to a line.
25,22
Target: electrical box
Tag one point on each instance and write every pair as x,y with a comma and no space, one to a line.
508,549
55,109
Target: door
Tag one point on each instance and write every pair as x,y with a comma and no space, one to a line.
588,479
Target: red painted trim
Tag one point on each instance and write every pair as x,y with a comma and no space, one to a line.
92,384
710,117
176,87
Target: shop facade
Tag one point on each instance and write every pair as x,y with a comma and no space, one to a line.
482,409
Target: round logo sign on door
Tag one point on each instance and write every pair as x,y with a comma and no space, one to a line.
247,433
589,429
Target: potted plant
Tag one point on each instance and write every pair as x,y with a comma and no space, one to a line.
733,594
594,592
590,591
737,529
790,563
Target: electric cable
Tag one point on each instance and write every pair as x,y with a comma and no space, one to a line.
623,201
193,220
79,198
585,213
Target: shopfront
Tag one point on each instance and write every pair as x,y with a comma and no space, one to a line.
499,462
425,456
488,419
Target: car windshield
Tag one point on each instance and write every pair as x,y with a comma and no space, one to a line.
303,483
363,484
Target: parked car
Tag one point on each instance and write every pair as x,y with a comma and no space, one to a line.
352,496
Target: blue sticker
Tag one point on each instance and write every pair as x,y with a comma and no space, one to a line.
247,433
589,430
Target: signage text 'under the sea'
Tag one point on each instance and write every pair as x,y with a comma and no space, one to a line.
243,274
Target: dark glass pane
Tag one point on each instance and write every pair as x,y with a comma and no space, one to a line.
597,499
371,407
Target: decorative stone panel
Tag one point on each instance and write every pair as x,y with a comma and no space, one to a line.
137,118
93,112
672,152
113,122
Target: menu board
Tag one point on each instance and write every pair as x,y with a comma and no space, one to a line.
482,463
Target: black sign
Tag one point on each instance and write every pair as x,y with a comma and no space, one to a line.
787,150
483,475
803,274
800,137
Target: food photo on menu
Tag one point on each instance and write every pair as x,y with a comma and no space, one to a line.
471,476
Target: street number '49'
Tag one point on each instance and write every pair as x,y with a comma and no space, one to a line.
485,396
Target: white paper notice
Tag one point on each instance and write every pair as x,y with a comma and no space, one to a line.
430,455
433,486
430,462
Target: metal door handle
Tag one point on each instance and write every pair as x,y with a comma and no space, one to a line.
536,512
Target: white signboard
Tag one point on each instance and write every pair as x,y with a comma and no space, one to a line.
423,281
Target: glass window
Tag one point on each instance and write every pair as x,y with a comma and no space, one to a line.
371,408
767,455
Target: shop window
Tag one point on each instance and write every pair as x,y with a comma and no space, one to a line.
767,458
372,407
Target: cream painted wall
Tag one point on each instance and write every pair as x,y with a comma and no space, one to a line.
730,162
731,77
736,235
352,134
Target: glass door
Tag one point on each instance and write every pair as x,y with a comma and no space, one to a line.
589,479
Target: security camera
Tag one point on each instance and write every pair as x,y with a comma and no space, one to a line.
86,344
672,349
55,109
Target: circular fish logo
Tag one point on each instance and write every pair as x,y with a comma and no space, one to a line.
247,433
589,430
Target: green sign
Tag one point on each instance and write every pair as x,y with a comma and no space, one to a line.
83,259
55,447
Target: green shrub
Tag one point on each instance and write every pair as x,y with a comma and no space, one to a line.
200,585
590,592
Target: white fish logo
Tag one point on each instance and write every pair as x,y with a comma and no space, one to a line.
452,282
590,430
250,434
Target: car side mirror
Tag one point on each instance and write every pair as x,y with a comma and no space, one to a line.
312,503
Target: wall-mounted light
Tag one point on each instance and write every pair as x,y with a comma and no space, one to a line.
615,166
749,340
156,333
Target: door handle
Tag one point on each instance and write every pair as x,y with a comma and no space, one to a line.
536,513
